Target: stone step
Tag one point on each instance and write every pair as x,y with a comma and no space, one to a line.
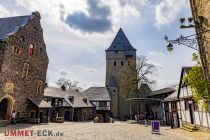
187,129
190,126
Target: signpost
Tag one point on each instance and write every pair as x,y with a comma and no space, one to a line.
155,127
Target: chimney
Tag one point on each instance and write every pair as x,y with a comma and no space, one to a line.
36,13
63,87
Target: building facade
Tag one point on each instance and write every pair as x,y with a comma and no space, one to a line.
69,104
118,56
191,112
23,66
100,98
159,110
170,110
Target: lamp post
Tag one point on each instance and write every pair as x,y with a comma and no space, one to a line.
192,41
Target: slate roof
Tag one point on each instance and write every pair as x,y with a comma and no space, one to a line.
164,90
97,94
121,43
10,25
40,103
59,93
172,97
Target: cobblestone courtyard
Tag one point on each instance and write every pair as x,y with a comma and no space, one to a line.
108,131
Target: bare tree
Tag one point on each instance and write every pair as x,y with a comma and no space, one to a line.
136,72
74,85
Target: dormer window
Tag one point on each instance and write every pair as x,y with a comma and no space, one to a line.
31,49
84,100
71,99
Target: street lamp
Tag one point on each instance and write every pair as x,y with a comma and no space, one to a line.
190,41
193,41
170,47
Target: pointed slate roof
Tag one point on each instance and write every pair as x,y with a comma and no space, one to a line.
10,25
121,42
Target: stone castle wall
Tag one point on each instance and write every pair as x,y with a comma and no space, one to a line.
202,8
12,81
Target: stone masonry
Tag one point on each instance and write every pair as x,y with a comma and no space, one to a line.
118,56
202,8
24,62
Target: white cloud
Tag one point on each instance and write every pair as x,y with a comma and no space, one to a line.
4,12
167,10
156,54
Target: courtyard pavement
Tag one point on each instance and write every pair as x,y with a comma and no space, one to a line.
96,131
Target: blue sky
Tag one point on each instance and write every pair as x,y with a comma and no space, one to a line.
77,32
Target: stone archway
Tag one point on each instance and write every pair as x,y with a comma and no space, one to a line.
6,107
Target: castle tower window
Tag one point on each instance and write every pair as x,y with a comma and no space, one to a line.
31,49
40,49
25,70
122,63
114,63
39,87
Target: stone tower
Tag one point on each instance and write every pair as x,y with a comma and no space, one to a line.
118,56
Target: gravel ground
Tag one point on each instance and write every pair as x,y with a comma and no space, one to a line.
101,131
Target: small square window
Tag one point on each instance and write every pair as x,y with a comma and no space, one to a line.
116,52
122,63
40,49
115,63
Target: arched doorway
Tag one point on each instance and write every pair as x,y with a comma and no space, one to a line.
6,106
3,108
